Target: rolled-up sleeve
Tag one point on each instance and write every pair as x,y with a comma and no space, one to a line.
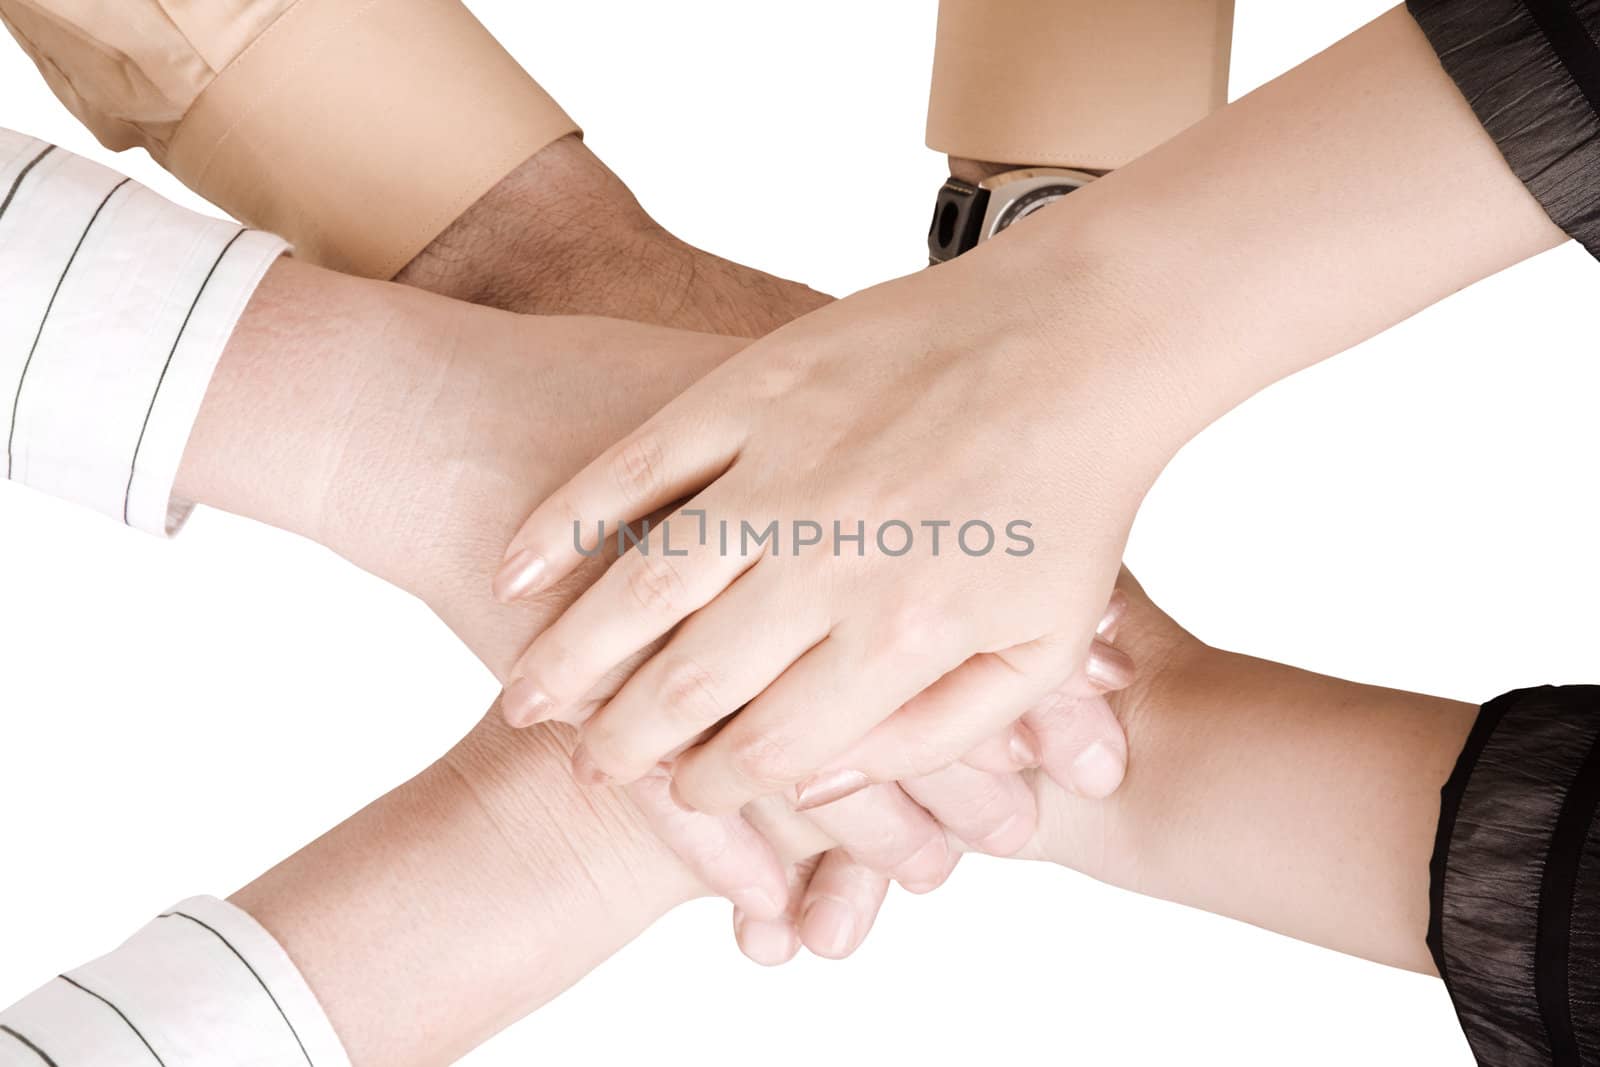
203,985
1531,71
1515,928
115,306
357,129
1077,83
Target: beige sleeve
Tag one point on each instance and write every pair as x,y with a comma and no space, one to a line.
1080,83
357,129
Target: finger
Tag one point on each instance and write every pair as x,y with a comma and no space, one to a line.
841,904
1082,745
640,597
671,457
984,695
771,942
692,683
992,813
886,830
825,702
1011,750
726,853
1105,670
1111,621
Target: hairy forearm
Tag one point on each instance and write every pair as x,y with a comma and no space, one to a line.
1313,213
1300,803
466,898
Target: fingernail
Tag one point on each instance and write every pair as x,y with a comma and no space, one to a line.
758,904
932,857
996,844
524,703
828,928
1024,749
1109,668
827,787
767,943
518,576
1111,621
1097,771
585,770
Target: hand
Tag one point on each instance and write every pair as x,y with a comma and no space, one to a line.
912,831
410,433
901,405
517,249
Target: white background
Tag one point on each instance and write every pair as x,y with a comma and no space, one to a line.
1414,513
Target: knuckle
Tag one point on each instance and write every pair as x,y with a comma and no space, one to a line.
762,762
554,668
639,466
688,695
989,810
909,632
655,583
899,850
923,756
608,747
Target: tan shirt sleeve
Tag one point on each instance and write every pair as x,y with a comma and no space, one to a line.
1075,83
357,129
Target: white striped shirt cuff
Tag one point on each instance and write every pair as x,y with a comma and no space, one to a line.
115,305
204,985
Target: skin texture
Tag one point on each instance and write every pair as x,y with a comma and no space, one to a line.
479,890
1319,210
562,235
422,427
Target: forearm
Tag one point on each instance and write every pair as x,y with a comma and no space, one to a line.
1319,210
466,898
1300,803
408,432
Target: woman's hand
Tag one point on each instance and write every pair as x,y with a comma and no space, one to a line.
411,434
905,410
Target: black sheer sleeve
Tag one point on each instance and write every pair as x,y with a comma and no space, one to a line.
1515,927
1531,71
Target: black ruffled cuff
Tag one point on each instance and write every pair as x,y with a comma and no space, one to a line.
1515,927
1531,71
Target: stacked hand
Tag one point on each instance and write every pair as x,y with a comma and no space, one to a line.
467,418
843,663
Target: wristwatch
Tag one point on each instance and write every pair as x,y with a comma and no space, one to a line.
965,214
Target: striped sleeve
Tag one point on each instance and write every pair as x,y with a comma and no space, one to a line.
115,305
203,985
1531,71
1515,927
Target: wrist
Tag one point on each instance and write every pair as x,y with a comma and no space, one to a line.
521,781
274,438
465,899
1116,839
1097,337
557,217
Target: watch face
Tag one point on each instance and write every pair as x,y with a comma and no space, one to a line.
1028,203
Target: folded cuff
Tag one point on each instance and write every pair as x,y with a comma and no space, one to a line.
1515,924
360,129
115,305
1531,72
1095,83
203,985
